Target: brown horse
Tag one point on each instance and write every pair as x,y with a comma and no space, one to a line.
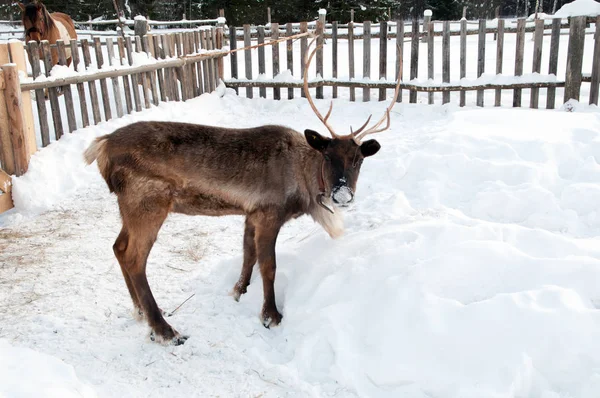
40,25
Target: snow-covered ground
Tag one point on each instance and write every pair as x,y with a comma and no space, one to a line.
470,267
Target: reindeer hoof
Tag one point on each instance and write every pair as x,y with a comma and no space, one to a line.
237,292
169,337
271,318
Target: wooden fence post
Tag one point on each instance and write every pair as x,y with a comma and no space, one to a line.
16,118
17,55
575,60
7,159
233,56
320,42
140,27
596,65
426,20
6,202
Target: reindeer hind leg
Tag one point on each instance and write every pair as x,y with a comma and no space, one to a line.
143,223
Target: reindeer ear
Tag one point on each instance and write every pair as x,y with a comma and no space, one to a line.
369,148
316,140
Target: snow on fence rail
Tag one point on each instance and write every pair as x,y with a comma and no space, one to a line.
162,67
571,82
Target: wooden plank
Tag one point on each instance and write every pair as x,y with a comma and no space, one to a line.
219,60
6,202
233,56
40,100
275,56
70,108
143,76
538,41
211,62
290,56
5,180
399,54
126,79
391,85
573,75
85,119
175,73
430,57
182,71
383,37
366,58
499,57
303,47
187,70
520,48
197,89
595,85
319,61
103,85
553,62
7,159
248,59
334,55
205,64
110,50
212,45
52,92
446,60
414,58
262,92
167,72
16,116
134,77
160,74
463,57
197,41
481,58
17,53
351,58
147,47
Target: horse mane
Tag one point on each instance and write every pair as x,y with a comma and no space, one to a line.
31,12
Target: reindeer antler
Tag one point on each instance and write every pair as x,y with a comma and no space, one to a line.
308,96
358,134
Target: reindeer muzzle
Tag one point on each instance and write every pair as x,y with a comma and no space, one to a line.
342,195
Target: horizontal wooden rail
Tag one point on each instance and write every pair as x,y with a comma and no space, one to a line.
123,71
391,85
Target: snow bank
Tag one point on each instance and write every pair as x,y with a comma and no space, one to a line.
590,8
470,266
28,373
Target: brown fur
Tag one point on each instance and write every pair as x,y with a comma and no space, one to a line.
270,174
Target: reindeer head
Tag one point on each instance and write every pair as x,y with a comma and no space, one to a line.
342,154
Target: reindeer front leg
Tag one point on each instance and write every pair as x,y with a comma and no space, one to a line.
249,260
266,236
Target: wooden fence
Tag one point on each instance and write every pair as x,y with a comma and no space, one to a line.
417,33
142,71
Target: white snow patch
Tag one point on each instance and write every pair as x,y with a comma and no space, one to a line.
28,373
427,13
590,8
469,267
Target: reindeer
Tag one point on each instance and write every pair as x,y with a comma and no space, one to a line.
270,174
